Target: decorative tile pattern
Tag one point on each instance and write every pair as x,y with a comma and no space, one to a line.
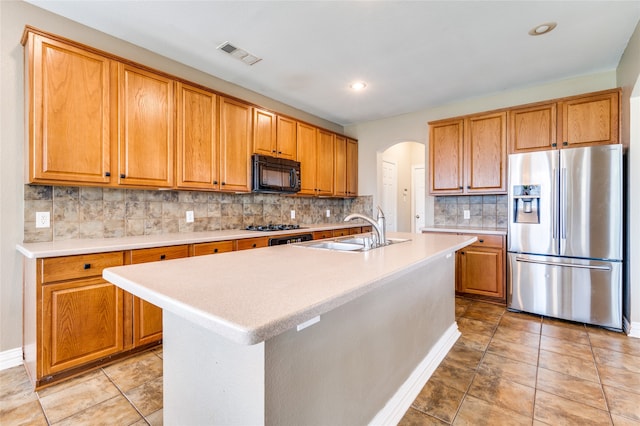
84,212
485,210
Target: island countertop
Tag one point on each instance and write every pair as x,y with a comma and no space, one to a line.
250,296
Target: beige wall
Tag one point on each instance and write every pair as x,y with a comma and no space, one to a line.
14,15
628,77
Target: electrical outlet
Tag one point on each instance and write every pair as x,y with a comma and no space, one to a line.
190,216
43,220
328,213
293,214
467,214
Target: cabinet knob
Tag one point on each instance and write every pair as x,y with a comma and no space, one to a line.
254,245
163,256
565,143
107,174
222,183
274,151
87,266
461,252
468,186
122,176
554,145
215,182
215,250
481,240
460,187
279,152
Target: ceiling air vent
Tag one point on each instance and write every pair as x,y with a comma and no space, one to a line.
240,54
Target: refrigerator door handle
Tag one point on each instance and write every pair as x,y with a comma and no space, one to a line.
554,201
563,203
570,265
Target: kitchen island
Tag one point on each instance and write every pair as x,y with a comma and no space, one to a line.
297,335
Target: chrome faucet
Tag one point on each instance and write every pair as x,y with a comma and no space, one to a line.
378,226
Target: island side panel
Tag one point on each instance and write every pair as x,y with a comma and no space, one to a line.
345,368
210,380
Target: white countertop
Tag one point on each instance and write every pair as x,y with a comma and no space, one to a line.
101,245
492,230
251,296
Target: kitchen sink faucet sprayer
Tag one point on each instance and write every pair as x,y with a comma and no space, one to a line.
378,226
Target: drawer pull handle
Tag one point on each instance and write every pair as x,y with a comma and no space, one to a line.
215,250
481,240
254,245
87,266
163,256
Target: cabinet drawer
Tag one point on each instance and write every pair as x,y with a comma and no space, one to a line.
488,241
212,248
80,266
320,235
159,253
251,243
341,232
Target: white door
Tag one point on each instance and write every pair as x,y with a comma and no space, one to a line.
417,197
390,194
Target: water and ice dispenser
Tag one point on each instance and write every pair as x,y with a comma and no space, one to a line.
526,203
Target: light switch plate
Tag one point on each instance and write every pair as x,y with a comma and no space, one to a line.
190,216
467,214
293,214
328,213
43,220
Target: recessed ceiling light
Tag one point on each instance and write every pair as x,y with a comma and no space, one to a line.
542,29
358,85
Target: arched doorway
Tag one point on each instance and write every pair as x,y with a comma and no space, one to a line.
401,187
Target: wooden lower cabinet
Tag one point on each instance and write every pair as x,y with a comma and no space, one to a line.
480,268
251,243
147,318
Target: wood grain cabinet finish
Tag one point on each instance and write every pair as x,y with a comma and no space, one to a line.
147,318
274,135
215,247
235,145
81,314
340,167
352,168
146,120
468,156
532,128
68,101
590,120
197,157
251,243
481,268
307,154
325,163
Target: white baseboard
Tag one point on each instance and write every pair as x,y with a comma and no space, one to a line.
397,406
10,358
632,329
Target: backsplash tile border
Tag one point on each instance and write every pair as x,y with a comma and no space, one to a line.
94,212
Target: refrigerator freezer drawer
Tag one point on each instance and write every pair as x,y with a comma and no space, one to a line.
572,289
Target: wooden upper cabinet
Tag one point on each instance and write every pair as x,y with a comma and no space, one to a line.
325,163
264,133
340,168
352,168
196,138
146,118
68,96
532,128
446,157
590,120
235,145
306,142
287,138
486,153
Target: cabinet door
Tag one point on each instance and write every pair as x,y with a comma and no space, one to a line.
264,133
446,157
486,153
82,322
306,141
481,271
286,138
352,168
340,168
532,128
69,113
590,120
235,146
146,144
325,162
147,318
196,138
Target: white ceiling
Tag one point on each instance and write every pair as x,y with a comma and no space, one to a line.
413,55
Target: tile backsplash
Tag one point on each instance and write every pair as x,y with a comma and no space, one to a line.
84,212
485,210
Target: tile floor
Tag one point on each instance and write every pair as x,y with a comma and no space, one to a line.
506,369
514,368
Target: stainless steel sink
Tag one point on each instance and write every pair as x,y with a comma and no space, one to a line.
352,244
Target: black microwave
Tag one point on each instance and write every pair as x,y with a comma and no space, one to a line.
271,174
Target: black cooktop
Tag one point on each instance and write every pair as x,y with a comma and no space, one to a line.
279,227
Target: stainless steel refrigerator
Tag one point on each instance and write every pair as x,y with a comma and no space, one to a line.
565,234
